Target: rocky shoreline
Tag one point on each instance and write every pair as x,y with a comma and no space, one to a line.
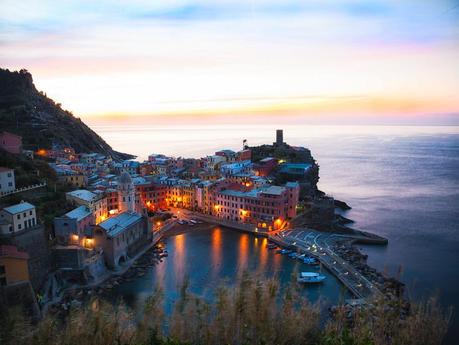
76,297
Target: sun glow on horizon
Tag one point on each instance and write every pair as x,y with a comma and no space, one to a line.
202,59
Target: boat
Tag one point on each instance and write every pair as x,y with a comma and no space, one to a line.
271,246
310,260
279,251
310,277
293,255
285,251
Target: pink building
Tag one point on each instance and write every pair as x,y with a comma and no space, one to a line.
266,166
11,142
267,208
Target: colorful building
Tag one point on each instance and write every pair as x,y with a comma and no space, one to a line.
121,236
265,166
74,227
7,182
17,218
13,265
11,142
96,202
267,208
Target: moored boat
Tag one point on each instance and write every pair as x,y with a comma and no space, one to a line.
309,260
310,277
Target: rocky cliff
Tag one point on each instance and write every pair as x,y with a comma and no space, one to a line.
40,121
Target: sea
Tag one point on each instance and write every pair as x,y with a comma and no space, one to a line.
402,183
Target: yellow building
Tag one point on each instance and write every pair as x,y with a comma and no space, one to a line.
76,180
13,265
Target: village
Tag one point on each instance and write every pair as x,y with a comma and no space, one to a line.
121,208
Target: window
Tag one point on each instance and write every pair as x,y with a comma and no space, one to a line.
18,216
2,269
10,184
9,174
2,281
19,226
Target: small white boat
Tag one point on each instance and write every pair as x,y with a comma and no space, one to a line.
310,277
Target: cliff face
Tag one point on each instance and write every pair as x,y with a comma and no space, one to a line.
40,121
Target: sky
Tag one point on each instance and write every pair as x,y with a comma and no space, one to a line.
314,60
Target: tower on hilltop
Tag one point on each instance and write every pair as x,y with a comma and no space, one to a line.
279,137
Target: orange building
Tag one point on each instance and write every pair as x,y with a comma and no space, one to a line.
13,265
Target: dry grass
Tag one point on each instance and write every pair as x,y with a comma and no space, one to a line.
255,311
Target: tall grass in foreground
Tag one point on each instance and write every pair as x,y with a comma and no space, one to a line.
255,311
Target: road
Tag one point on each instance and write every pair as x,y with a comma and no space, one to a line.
320,245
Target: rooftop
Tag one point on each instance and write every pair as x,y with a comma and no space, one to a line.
18,208
294,168
79,213
83,194
2,169
117,224
273,190
12,251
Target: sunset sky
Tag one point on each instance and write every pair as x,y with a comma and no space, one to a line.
316,59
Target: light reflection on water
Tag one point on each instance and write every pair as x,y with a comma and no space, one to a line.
209,258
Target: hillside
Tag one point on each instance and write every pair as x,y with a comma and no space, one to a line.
40,121
291,154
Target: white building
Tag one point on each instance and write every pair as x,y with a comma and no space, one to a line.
97,203
6,180
17,218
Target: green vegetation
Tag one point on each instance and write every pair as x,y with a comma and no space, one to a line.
40,121
255,311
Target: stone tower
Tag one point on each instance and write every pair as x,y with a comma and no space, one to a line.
126,193
279,137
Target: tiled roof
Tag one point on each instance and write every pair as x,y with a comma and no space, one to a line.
117,224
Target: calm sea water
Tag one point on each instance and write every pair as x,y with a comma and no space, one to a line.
219,256
402,182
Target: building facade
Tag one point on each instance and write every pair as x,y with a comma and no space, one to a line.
17,218
11,142
13,265
75,227
7,182
96,202
121,236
